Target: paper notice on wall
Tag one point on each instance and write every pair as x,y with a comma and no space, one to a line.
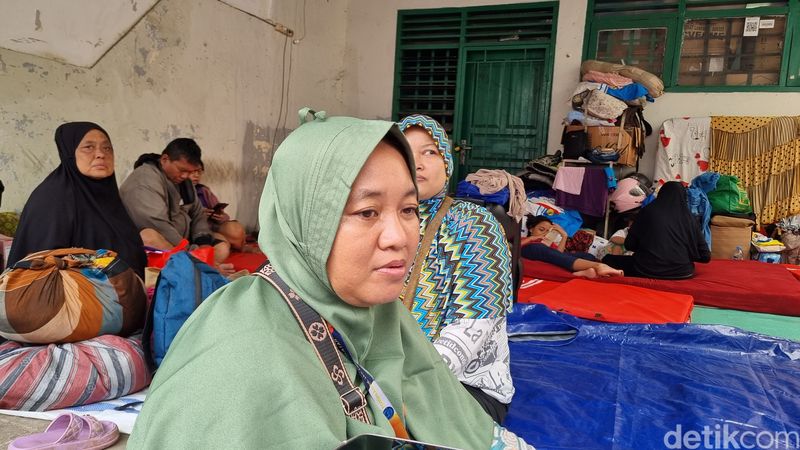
766,23
716,64
751,26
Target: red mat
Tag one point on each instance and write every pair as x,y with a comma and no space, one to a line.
612,302
743,285
249,261
532,287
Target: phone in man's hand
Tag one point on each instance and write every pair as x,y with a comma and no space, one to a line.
219,207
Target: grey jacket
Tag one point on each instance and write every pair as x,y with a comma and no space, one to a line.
153,201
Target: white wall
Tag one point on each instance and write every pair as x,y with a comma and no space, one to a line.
205,70
370,61
195,68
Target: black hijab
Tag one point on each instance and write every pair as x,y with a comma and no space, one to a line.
666,238
69,209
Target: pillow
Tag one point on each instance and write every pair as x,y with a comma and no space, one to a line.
70,295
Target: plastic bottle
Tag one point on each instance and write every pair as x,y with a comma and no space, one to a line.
738,254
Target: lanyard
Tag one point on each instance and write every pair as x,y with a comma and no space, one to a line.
374,390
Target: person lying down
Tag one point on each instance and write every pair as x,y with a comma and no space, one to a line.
546,242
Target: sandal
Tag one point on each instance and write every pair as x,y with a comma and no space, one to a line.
70,432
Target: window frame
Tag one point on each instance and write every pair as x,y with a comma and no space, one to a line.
788,78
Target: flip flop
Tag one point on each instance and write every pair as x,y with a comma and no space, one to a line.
70,432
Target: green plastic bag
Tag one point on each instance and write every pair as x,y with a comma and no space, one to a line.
729,197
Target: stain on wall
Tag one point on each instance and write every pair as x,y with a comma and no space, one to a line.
189,68
257,153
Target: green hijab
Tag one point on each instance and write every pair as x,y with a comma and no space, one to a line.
240,373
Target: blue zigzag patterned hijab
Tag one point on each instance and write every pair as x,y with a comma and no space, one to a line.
467,274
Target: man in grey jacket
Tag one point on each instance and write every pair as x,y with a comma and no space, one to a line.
162,201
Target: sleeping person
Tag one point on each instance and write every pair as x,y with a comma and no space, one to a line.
545,242
78,204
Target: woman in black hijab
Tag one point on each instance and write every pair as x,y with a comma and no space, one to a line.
78,204
665,238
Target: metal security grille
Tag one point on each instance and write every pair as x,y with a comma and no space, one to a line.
430,43
701,45
643,7
427,83
534,24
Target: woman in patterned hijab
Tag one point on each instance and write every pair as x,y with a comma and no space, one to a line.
464,288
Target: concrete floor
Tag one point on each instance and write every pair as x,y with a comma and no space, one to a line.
12,427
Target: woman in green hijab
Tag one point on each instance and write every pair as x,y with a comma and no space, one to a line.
339,222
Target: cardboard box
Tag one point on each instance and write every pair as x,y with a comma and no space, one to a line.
736,79
765,79
722,36
698,80
767,63
769,45
608,137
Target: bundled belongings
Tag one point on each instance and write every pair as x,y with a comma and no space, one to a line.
491,181
653,84
790,228
607,120
540,173
56,376
70,295
767,250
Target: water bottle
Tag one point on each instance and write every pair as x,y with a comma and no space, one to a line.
738,255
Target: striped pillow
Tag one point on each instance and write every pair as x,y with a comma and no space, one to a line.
44,377
70,295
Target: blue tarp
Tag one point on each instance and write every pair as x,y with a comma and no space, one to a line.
592,385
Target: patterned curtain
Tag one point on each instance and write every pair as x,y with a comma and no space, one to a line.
764,153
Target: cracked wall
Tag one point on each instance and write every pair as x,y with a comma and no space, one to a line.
197,69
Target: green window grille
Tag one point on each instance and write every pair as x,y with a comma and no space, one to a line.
430,44
701,45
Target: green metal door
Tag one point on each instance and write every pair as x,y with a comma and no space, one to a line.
502,119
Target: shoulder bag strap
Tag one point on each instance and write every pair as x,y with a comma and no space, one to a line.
316,330
410,290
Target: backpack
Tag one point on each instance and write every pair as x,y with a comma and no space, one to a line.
182,285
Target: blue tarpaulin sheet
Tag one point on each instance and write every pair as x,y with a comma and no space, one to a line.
592,385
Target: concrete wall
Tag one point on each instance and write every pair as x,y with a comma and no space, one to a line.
205,70
196,68
370,61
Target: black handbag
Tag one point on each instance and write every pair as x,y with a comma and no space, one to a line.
575,142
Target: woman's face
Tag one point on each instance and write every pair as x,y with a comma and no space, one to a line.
95,155
196,175
378,233
540,229
431,172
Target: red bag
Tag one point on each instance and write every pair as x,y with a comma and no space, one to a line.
158,258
